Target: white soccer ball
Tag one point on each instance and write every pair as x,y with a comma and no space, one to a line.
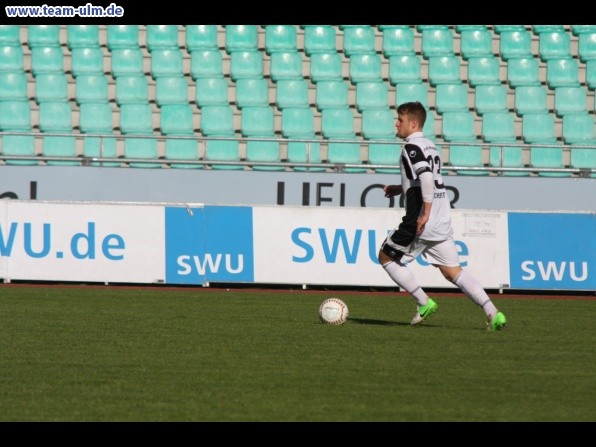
333,311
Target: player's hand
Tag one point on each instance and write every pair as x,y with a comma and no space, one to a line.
392,190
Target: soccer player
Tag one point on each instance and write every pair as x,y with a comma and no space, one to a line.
426,227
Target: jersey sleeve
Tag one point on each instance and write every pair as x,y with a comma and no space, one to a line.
416,159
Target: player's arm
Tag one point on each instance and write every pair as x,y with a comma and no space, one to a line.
393,190
428,191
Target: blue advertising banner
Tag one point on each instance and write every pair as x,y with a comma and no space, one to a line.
552,251
185,245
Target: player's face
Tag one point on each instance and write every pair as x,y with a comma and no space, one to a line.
405,126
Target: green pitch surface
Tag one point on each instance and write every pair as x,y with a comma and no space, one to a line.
158,354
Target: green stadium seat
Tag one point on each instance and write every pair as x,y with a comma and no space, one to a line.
291,93
122,37
378,124
82,36
176,119
437,42
582,157
548,157
319,39
15,115
162,37
458,126
280,39
223,151
18,145
358,40
286,65
570,100
467,156
326,67
51,87
87,61
562,73
498,127
523,71
404,68
381,153
206,64
241,38
490,98
11,58
451,98
554,45
127,62
178,148
171,90
246,64
577,30
539,29
365,68
461,28
10,35
579,128
217,121
136,119
587,46
141,147
59,146
443,70
298,123
252,92
136,123
416,91
398,40
101,147
337,123
47,60
132,90
201,37
13,86
43,36
345,153
372,95
331,94
55,116
96,117
476,43
539,128
212,92
591,74
530,99
515,44
499,29
484,70
506,155
259,122
429,126
166,62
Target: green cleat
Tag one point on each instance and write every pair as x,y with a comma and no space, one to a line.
424,311
498,322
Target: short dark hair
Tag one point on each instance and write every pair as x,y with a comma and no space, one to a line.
415,110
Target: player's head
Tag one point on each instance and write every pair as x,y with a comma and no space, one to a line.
411,117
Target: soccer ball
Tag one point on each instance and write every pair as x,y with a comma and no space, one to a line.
333,311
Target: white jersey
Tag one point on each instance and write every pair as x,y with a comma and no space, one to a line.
419,155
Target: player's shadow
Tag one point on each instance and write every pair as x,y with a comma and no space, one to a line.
377,322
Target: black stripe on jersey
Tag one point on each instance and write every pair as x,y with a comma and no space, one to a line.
415,153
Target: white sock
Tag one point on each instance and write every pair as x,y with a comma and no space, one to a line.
404,278
474,290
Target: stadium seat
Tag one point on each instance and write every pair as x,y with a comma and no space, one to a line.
498,126
246,64
337,123
483,71
443,70
176,119
539,29
437,42
404,68
122,37
136,119
179,147
10,35
259,122
582,157
132,90
458,126
280,39
587,46
51,87
378,124
11,58
171,90
476,43
554,45
523,71
13,86
201,37
59,146
127,62
358,40
286,65
96,117
579,128
570,100
490,98
166,62
319,39
206,64
383,153
499,29
539,128
530,99
162,37
365,68
515,44
252,92
82,36
298,123
467,156
591,74
398,40
136,123
18,145
56,117
141,147
562,73
326,67
87,61
506,155
345,153
547,157
15,115
451,98
217,121
43,36
47,60
212,92
372,95
241,38
331,94
577,30
411,92
429,126
291,93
